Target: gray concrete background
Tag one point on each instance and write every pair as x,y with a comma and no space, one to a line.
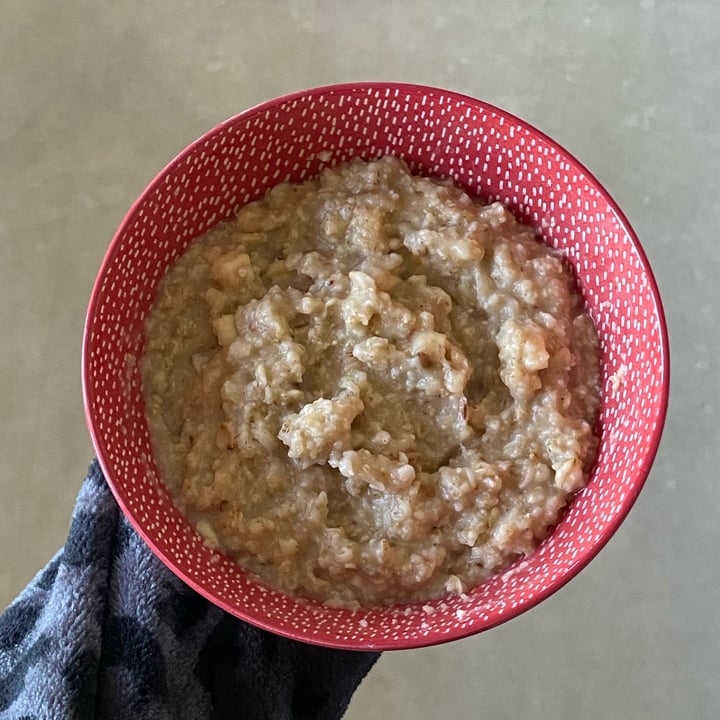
95,97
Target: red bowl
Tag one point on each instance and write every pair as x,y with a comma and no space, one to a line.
492,154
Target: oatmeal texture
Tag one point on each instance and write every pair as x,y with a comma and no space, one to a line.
371,388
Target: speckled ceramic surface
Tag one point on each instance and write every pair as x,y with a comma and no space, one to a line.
490,153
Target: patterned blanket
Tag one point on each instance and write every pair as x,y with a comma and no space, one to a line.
106,631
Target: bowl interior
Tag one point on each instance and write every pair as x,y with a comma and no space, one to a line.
493,155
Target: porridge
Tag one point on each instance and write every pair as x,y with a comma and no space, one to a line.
371,388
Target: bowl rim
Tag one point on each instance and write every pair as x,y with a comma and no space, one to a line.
381,644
